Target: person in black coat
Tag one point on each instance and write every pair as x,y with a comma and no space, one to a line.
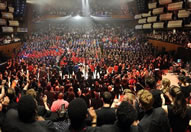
154,119
106,114
78,113
126,116
25,119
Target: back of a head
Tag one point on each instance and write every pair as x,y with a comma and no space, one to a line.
166,82
71,89
32,93
183,73
27,109
179,101
107,97
60,95
165,85
182,78
150,82
71,96
126,115
11,94
77,111
125,91
175,91
157,98
146,99
129,97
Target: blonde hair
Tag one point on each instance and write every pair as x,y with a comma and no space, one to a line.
165,85
125,91
10,91
32,93
129,97
145,99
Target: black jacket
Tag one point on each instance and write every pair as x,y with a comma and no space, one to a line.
115,128
155,120
13,124
105,116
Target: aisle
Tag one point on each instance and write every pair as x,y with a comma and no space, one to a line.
172,77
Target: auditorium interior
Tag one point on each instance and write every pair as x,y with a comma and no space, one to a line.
95,65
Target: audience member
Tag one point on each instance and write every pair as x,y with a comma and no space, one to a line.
56,105
126,117
179,113
106,114
26,118
154,119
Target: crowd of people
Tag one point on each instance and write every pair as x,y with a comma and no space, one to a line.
8,39
57,11
95,8
75,11
178,37
97,77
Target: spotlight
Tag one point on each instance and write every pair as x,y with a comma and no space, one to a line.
174,31
77,17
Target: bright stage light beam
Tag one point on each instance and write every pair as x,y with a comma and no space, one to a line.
77,17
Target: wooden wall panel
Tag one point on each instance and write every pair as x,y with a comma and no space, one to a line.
9,50
166,45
